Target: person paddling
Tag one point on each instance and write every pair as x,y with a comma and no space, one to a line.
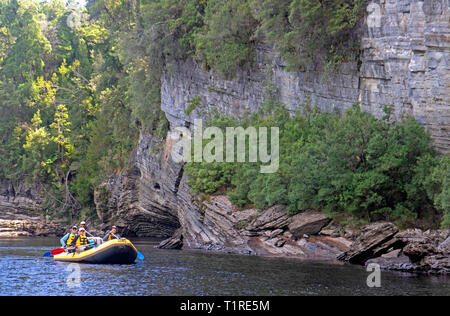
112,234
83,225
69,237
81,239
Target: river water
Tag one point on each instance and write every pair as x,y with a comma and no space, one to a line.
24,271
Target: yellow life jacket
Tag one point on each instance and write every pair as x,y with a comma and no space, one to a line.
70,239
82,240
111,237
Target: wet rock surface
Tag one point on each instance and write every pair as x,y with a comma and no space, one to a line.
174,242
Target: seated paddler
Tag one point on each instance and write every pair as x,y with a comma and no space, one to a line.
112,234
69,237
81,239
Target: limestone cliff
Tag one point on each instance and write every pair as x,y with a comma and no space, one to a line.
141,200
403,64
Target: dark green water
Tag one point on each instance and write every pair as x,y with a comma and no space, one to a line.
23,271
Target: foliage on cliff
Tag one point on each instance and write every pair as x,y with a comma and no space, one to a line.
310,31
354,164
47,100
437,183
222,34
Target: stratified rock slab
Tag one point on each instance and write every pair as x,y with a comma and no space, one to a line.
369,242
308,223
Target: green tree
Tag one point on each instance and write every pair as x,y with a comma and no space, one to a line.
37,141
226,42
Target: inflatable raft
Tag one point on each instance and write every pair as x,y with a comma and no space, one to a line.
117,251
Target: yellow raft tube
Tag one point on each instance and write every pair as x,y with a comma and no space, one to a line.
116,251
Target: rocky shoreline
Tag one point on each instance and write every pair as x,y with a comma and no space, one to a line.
312,236
273,233
30,228
412,250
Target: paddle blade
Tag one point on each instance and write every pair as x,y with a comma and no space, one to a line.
48,254
57,251
140,256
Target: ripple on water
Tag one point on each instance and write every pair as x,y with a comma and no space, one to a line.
26,272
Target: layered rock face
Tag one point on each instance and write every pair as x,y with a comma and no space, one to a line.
21,214
21,201
142,200
222,227
412,250
404,64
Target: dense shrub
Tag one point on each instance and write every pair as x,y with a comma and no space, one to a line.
437,184
353,164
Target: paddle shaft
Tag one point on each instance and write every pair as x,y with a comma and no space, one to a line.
58,251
